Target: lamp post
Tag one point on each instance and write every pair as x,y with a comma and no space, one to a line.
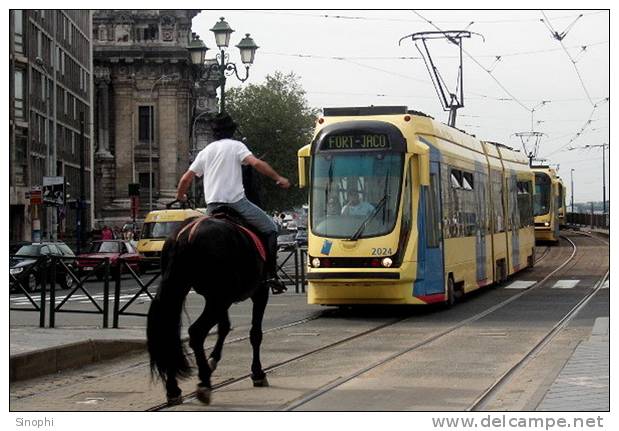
572,188
51,163
603,146
222,67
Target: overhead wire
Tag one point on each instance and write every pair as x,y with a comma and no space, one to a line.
514,98
560,37
364,18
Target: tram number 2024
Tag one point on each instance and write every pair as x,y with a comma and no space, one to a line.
381,252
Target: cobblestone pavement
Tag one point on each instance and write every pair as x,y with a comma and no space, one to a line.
584,382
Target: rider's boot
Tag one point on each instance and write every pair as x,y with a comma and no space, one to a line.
272,280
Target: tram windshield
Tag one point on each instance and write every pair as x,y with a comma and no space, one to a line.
355,195
541,201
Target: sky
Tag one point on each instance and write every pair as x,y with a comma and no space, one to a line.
541,84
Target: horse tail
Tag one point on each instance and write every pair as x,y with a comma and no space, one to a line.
163,329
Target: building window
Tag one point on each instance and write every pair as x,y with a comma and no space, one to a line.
18,26
19,94
146,123
144,181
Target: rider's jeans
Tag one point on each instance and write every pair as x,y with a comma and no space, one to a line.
250,212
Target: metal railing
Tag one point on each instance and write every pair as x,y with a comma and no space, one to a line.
45,270
599,221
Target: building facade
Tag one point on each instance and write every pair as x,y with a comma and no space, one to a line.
50,68
146,107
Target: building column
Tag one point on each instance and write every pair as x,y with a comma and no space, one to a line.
103,115
124,105
167,127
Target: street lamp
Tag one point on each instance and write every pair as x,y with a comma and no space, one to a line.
51,164
222,67
572,187
603,146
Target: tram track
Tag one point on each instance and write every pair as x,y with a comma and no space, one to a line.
341,380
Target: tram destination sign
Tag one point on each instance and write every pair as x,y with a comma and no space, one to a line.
356,141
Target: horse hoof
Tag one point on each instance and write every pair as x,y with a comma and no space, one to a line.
203,394
261,383
174,401
212,364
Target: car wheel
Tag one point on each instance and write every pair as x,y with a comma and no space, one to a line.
31,284
67,282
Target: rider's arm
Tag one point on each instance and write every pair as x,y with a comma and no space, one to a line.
265,169
183,185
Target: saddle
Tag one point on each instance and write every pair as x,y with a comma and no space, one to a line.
232,219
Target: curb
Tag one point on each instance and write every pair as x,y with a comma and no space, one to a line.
48,361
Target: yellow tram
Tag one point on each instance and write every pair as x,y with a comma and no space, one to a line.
548,203
406,210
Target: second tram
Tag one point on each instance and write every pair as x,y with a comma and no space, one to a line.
406,210
548,204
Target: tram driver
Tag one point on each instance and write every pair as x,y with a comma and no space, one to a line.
355,206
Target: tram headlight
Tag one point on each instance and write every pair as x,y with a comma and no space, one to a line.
387,262
546,224
316,262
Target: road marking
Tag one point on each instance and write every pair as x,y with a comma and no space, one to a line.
520,284
606,285
565,284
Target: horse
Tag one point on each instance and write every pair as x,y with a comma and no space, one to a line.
220,261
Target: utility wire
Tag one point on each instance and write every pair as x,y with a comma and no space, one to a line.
583,128
364,18
560,37
481,66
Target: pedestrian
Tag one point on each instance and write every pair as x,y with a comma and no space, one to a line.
106,233
220,164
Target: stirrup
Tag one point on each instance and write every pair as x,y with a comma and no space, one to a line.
276,286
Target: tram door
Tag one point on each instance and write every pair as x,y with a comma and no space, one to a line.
434,262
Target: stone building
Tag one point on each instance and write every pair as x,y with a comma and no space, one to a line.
146,103
50,68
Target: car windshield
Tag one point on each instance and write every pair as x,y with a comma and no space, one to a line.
105,247
66,251
541,198
159,230
355,194
29,250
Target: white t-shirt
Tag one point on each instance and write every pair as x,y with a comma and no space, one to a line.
220,164
361,209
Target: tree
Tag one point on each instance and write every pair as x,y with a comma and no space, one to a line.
275,120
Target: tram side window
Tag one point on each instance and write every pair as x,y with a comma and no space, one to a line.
525,205
497,201
432,214
512,207
560,196
460,205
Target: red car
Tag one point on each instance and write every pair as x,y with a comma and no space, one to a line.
114,250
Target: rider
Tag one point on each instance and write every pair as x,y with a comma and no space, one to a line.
220,162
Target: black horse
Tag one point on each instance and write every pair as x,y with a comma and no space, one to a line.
218,259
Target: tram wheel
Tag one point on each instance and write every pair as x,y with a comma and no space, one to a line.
451,293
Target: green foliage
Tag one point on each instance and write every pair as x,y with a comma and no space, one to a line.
276,121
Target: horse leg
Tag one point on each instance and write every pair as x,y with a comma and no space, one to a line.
197,335
173,392
223,329
259,299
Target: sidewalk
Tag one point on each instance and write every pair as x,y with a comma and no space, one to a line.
37,351
584,383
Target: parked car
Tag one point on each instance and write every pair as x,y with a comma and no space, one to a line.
301,236
113,249
27,256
